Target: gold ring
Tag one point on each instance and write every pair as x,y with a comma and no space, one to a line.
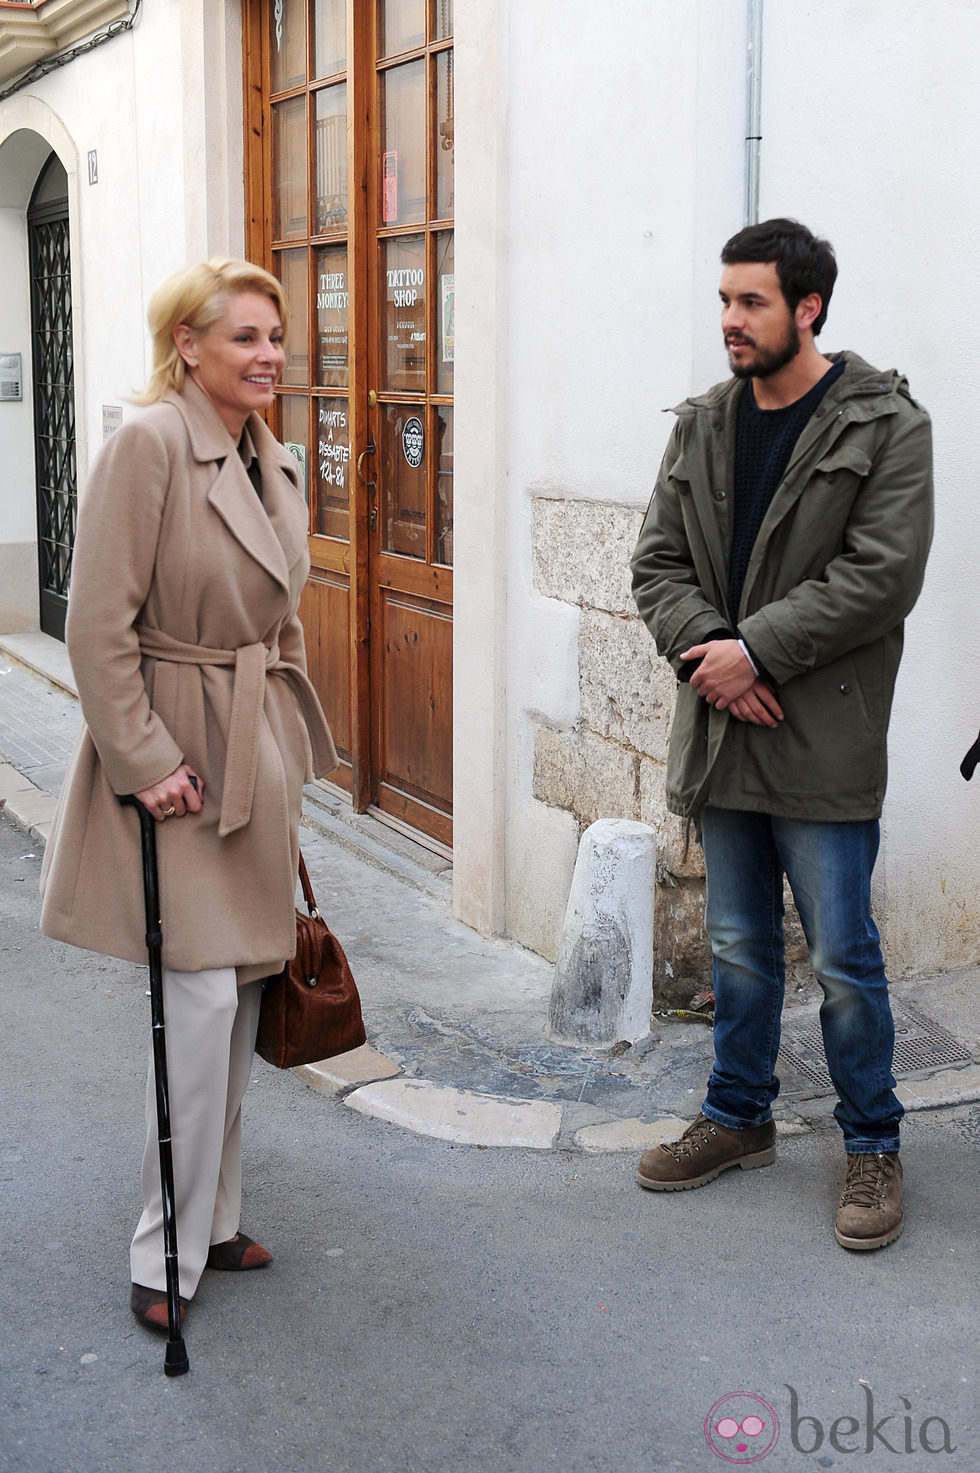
169,812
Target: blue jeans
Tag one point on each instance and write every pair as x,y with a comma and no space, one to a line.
828,866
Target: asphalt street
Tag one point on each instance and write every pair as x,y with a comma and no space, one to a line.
436,1308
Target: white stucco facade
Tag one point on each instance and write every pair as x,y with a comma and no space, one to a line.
168,153
599,168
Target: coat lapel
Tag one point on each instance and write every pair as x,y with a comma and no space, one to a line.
284,505
253,525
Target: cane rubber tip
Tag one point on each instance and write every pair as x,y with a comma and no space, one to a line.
175,1362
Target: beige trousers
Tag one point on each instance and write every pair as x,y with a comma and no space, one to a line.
210,1031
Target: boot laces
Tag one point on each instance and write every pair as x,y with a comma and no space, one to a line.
695,1136
866,1180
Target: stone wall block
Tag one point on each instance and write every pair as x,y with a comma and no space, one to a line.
626,693
582,551
590,777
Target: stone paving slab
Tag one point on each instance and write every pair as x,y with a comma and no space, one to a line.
460,1115
950,1087
336,1076
629,1135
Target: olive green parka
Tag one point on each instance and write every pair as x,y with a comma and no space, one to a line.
837,566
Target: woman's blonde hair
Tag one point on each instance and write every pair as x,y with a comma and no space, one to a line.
198,296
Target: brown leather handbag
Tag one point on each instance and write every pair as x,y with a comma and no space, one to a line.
311,1010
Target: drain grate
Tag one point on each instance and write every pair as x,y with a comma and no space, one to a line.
919,1044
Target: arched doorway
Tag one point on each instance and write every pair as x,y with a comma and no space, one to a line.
54,390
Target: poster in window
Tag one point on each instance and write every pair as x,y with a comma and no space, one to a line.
389,187
298,452
448,317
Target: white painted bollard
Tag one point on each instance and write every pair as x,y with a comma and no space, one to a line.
603,987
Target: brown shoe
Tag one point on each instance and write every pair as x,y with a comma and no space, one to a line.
150,1307
869,1214
237,1254
703,1152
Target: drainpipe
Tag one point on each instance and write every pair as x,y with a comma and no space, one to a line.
753,111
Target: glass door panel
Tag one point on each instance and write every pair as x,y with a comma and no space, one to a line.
291,271
289,214
444,485
403,278
442,19
402,26
296,434
329,20
332,311
331,159
403,132
442,378
445,141
403,465
288,50
331,516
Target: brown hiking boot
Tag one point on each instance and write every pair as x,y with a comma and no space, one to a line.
703,1152
869,1214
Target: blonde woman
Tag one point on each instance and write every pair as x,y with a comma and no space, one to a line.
189,562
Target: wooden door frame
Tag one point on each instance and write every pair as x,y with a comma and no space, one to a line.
360,560
427,581
258,235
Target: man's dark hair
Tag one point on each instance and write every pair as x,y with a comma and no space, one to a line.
804,262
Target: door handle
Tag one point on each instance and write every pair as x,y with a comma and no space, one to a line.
372,486
369,449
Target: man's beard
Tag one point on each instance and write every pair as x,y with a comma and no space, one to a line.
767,363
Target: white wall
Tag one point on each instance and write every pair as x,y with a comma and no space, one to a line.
618,140
16,463
617,183
161,105
871,116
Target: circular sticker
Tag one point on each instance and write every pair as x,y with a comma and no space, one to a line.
413,441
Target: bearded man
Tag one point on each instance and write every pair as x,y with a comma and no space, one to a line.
785,543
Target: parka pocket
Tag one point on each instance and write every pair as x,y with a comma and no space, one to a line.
831,742
846,460
679,474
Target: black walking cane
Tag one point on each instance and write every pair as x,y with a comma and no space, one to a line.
175,1362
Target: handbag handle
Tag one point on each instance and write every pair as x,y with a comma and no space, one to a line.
308,895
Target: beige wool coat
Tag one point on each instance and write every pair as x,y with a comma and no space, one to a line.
186,647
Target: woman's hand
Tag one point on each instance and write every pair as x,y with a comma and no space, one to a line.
178,794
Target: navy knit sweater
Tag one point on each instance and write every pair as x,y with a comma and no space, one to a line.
764,441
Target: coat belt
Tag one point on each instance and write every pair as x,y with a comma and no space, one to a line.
252,663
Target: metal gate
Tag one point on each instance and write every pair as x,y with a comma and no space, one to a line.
54,391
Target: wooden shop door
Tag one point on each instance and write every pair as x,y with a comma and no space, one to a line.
349,173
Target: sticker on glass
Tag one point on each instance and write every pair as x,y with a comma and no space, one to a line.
413,441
